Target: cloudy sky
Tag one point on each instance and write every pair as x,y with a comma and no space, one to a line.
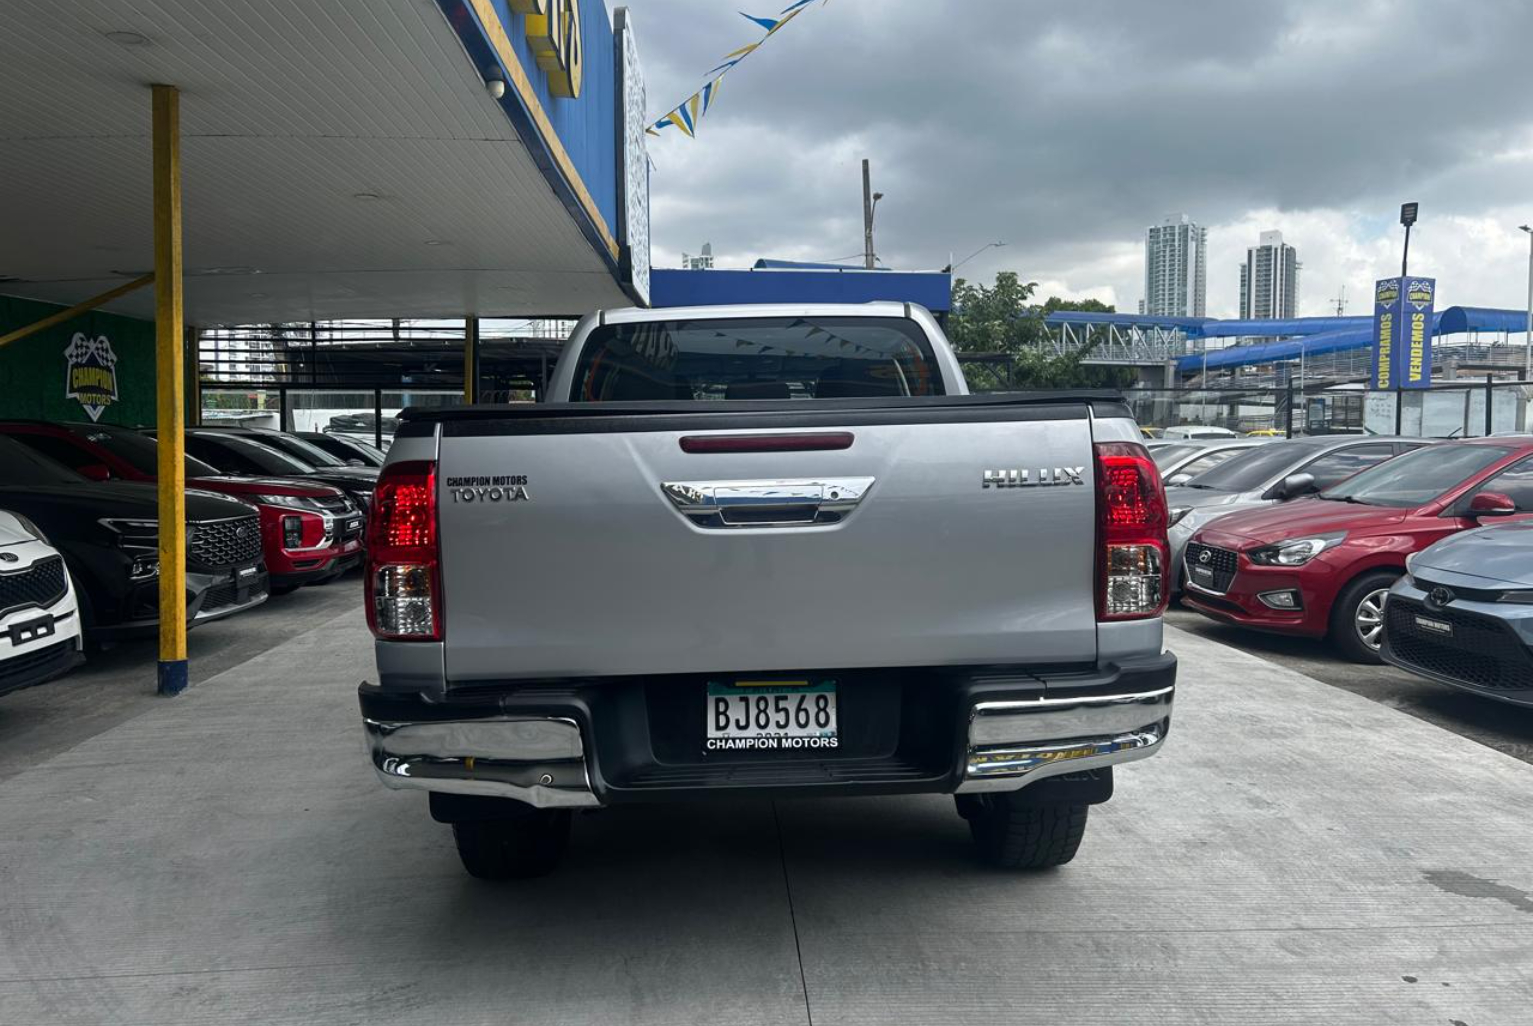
1064,129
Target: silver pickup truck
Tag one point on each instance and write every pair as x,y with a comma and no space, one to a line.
767,551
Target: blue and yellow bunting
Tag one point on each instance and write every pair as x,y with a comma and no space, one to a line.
686,114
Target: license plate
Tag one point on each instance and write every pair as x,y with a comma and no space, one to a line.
22,633
354,524
771,715
248,571
1202,573
1435,626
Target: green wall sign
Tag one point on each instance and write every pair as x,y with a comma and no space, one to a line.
94,367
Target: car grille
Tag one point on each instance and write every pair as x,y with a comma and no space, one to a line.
1222,561
225,543
41,584
1482,652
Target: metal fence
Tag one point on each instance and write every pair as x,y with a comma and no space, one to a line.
1458,409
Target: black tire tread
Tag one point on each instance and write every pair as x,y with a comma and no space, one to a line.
1014,835
528,845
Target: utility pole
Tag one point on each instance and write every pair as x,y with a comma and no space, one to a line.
1527,357
869,204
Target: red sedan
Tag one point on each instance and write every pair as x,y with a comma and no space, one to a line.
310,532
1322,566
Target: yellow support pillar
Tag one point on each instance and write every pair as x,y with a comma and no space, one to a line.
170,362
470,360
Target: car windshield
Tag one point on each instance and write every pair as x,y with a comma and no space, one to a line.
139,451
1254,467
269,460
304,450
1165,455
1417,478
760,358
19,465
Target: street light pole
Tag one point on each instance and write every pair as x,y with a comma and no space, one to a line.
1527,355
869,204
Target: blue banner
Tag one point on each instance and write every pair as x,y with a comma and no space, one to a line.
1386,333
1402,332
1416,324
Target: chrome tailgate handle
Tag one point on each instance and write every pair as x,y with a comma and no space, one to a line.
795,503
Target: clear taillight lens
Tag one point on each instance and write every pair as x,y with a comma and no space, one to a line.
1131,533
403,581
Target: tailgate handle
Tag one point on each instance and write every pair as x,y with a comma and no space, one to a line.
800,503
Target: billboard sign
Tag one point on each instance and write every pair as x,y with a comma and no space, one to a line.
1402,332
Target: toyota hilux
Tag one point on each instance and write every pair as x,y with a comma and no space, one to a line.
761,552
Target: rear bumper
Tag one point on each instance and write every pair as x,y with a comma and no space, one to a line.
589,743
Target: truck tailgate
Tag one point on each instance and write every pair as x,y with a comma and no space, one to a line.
585,566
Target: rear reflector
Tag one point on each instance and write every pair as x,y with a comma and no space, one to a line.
768,443
1131,533
403,580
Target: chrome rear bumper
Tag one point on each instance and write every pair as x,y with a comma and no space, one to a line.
1015,743
537,760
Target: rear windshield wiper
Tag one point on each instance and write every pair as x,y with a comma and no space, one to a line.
1344,498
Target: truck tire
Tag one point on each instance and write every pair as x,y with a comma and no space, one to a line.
529,843
1357,618
1011,834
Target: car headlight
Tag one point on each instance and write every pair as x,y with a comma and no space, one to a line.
302,502
1176,515
31,528
1522,597
1294,551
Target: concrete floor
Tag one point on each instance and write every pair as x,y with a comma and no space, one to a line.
1499,725
1298,854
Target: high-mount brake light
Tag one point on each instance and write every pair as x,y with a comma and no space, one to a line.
404,580
1132,554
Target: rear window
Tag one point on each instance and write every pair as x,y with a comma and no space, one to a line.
757,358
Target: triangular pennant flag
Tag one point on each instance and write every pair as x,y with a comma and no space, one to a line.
781,22
767,23
693,105
796,6
678,117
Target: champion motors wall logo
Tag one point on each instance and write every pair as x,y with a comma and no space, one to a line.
92,373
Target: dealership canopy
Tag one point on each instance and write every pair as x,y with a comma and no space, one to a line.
388,158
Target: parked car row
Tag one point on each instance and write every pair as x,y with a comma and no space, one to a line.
1325,538
79,532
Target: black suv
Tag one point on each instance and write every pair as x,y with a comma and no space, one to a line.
255,452
108,533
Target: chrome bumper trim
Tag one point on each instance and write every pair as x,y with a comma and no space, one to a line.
537,760
1012,744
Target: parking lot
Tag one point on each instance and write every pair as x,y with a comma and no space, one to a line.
1298,854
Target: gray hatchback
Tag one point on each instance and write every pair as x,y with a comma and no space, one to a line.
1463,615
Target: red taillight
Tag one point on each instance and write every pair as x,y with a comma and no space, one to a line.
1132,552
403,583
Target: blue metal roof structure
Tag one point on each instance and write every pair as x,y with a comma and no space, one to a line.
1319,335
673,287
1191,325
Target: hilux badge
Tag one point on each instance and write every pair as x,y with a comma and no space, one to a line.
1024,478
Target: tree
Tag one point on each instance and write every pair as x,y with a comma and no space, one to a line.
999,319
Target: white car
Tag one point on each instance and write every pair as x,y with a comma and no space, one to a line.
1182,431
39,614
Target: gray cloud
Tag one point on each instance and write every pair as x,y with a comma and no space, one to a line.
1064,129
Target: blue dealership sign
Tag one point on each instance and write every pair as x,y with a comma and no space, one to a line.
1402,332
1416,308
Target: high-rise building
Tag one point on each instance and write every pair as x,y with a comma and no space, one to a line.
701,262
1175,268
1269,279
